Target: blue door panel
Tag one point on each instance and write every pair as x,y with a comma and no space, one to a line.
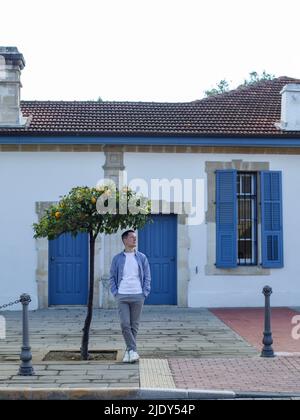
68,270
158,241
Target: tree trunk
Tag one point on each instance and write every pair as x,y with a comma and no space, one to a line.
88,320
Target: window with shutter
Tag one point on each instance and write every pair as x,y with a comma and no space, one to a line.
271,226
226,218
237,221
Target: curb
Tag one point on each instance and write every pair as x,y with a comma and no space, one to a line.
69,393
262,395
111,394
201,394
133,394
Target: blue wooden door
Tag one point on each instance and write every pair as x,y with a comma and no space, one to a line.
158,241
68,270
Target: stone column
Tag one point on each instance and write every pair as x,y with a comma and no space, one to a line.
112,244
114,164
42,259
183,272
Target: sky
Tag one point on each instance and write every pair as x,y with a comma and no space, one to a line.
147,50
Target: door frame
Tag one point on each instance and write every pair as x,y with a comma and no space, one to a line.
176,257
42,267
181,210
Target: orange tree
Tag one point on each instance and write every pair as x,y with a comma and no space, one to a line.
103,209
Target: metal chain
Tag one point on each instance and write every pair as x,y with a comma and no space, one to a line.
10,304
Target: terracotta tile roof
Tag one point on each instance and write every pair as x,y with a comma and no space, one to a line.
246,111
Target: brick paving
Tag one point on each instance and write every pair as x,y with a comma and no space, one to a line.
281,374
248,323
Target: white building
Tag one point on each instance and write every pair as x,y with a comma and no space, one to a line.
238,152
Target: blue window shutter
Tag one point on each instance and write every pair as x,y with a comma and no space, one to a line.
271,219
226,218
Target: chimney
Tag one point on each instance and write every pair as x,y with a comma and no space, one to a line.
290,108
11,64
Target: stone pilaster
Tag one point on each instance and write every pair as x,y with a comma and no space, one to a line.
183,271
42,259
112,244
114,164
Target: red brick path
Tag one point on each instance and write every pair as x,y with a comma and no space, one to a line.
249,322
281,374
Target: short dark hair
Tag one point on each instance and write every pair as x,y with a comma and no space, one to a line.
125,234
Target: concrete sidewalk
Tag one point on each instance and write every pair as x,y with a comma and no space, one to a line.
157,379
185,353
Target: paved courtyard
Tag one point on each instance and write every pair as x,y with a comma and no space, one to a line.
181,349
164,332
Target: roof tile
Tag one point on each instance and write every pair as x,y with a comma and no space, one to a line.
247,111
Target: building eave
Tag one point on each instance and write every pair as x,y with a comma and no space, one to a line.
280,142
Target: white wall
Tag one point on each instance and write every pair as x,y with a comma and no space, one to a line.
26,178
232,291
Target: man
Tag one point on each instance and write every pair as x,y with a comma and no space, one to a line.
130,284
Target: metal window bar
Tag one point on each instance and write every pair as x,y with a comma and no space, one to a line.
247,218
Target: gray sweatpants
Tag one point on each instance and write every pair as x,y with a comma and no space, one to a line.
130,310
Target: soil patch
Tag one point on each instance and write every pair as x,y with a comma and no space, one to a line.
74,356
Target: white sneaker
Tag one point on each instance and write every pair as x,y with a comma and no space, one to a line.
126,357
133,356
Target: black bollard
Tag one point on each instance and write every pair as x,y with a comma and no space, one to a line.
267,350
26,368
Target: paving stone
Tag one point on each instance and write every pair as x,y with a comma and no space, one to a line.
86,385
77,367
155,373
46,373
71,380
73,373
